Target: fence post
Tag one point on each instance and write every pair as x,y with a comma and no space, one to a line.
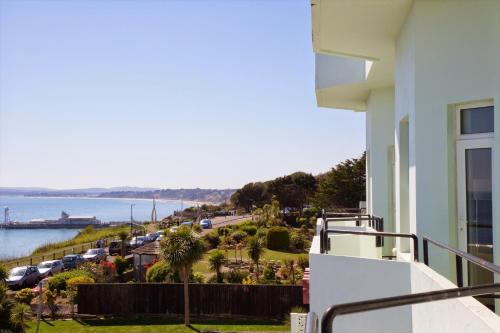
460,278
73,250
54,256
31,261
64,253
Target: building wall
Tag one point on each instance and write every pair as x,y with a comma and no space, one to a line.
379,142
448,52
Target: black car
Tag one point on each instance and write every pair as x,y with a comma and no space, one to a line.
72,261
115,247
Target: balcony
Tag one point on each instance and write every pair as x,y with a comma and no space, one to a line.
346,265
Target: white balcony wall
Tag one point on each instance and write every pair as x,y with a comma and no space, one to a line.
342,279
379,144
334,70
447,53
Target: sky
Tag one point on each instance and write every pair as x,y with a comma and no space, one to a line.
169,94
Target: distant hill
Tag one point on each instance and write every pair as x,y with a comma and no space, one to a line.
197,194
205,195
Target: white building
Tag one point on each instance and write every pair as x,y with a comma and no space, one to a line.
427,75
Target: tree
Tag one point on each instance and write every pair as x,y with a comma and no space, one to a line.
250,195
294,190
123,237
216,261
19,314
343,186
6,305
181,249
255,250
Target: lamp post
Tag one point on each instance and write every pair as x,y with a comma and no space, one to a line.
131,217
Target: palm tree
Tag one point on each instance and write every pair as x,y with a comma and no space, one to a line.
181,249
255,250
19,313
216,261
123,236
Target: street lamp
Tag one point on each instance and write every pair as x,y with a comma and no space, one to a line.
131,217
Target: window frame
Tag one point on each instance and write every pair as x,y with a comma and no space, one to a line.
458,118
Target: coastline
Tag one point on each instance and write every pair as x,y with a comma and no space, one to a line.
186,202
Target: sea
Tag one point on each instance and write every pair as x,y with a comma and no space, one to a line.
21,242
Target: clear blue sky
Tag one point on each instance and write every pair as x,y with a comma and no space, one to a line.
163,93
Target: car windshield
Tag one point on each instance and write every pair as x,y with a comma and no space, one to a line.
18,271
93,251
44,265
69,258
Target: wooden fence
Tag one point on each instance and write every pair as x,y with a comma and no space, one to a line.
205,299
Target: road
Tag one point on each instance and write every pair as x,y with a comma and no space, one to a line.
222,221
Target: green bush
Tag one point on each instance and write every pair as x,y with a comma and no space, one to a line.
269,274
236,276
213,239
161,272
59,281
121,265
197,228
71,283
250,230
303,262
278,238
223,231
297,240
197,277
238,236
25,296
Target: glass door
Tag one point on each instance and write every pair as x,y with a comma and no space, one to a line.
475,206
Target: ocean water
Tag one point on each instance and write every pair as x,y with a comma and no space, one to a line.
14,243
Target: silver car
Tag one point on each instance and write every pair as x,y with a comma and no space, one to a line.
95,255
24,276
49,268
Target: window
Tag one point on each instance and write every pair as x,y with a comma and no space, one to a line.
476,120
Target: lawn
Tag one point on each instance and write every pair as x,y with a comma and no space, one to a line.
155,324
202,265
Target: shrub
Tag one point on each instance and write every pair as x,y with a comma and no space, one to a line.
269,273
278,238
297,241
58,281
303,262
213,239
197,277
24,296
50,300
73,282
224,231
236,276
161,272
197,228
250,230
121,265
238,236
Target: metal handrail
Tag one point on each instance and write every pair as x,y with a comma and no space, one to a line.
459,255
389,302
311,323
375,222
372,233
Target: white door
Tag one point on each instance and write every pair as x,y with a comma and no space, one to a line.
475,210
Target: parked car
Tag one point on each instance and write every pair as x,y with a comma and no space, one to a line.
206,224
115,247
49,268
95,255
137,241
24,276
187,224
72,261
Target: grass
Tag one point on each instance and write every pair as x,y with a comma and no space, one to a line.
156,324
202,265
86,235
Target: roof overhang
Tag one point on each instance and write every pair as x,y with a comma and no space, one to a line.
357,37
